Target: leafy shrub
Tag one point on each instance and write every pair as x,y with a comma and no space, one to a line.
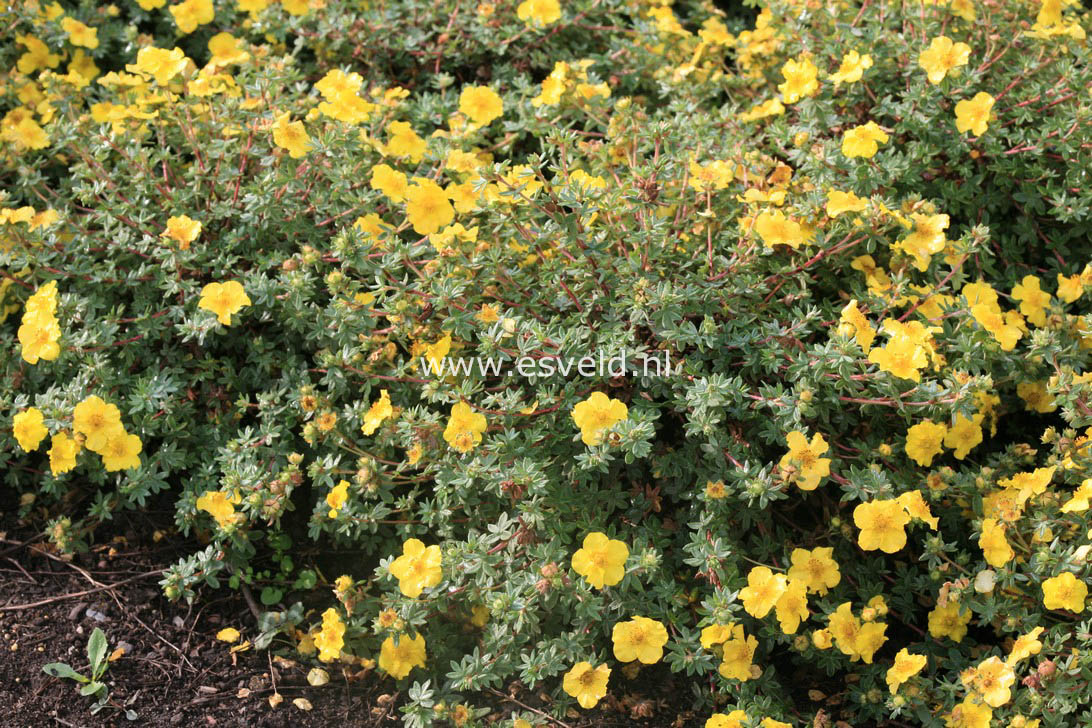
241,240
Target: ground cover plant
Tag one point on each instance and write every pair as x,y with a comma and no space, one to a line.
586,339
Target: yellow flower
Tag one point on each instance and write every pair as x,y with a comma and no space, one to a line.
882,524
817,569
192,13
763,590
993,543
839,202
435,353
869,640
390,182
738,655
427,206
735,719
864,140
39,332
852,69
380,410
182,230
220,506
488,314
42,304
991,680
823,639
228,634
29,429
38,339
539,12
121,452
337,498
464,428
901,357
974,115
331,637
300,7
37,55
640,639
1079,501
771,107
418,568
481,104
586,683
858,641
1007,328
97,421
226,50
223,299
1070,288
963,9
854,323
600,560
923,441
403,141
964,435
1035,396
447,237
80,34
905,667
715,634
844,628
159,63
291,135
62,453
915,506
801,80
925,240
803,460
776,229
949,620
1025,646
326,421
715,175
1033,300
1065,591
792,607
339,89
969,714
595,415
942,56
26,134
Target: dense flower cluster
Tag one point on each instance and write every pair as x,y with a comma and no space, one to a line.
237,263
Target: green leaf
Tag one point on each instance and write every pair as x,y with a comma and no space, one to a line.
61,670
91,688
96,649
306,580
271,595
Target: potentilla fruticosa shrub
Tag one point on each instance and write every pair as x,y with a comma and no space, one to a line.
248,247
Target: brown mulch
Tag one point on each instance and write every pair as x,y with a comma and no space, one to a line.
174,672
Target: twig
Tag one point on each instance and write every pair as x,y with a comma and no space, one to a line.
83,572
18,545
20,568
525,706
73,595
245,588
